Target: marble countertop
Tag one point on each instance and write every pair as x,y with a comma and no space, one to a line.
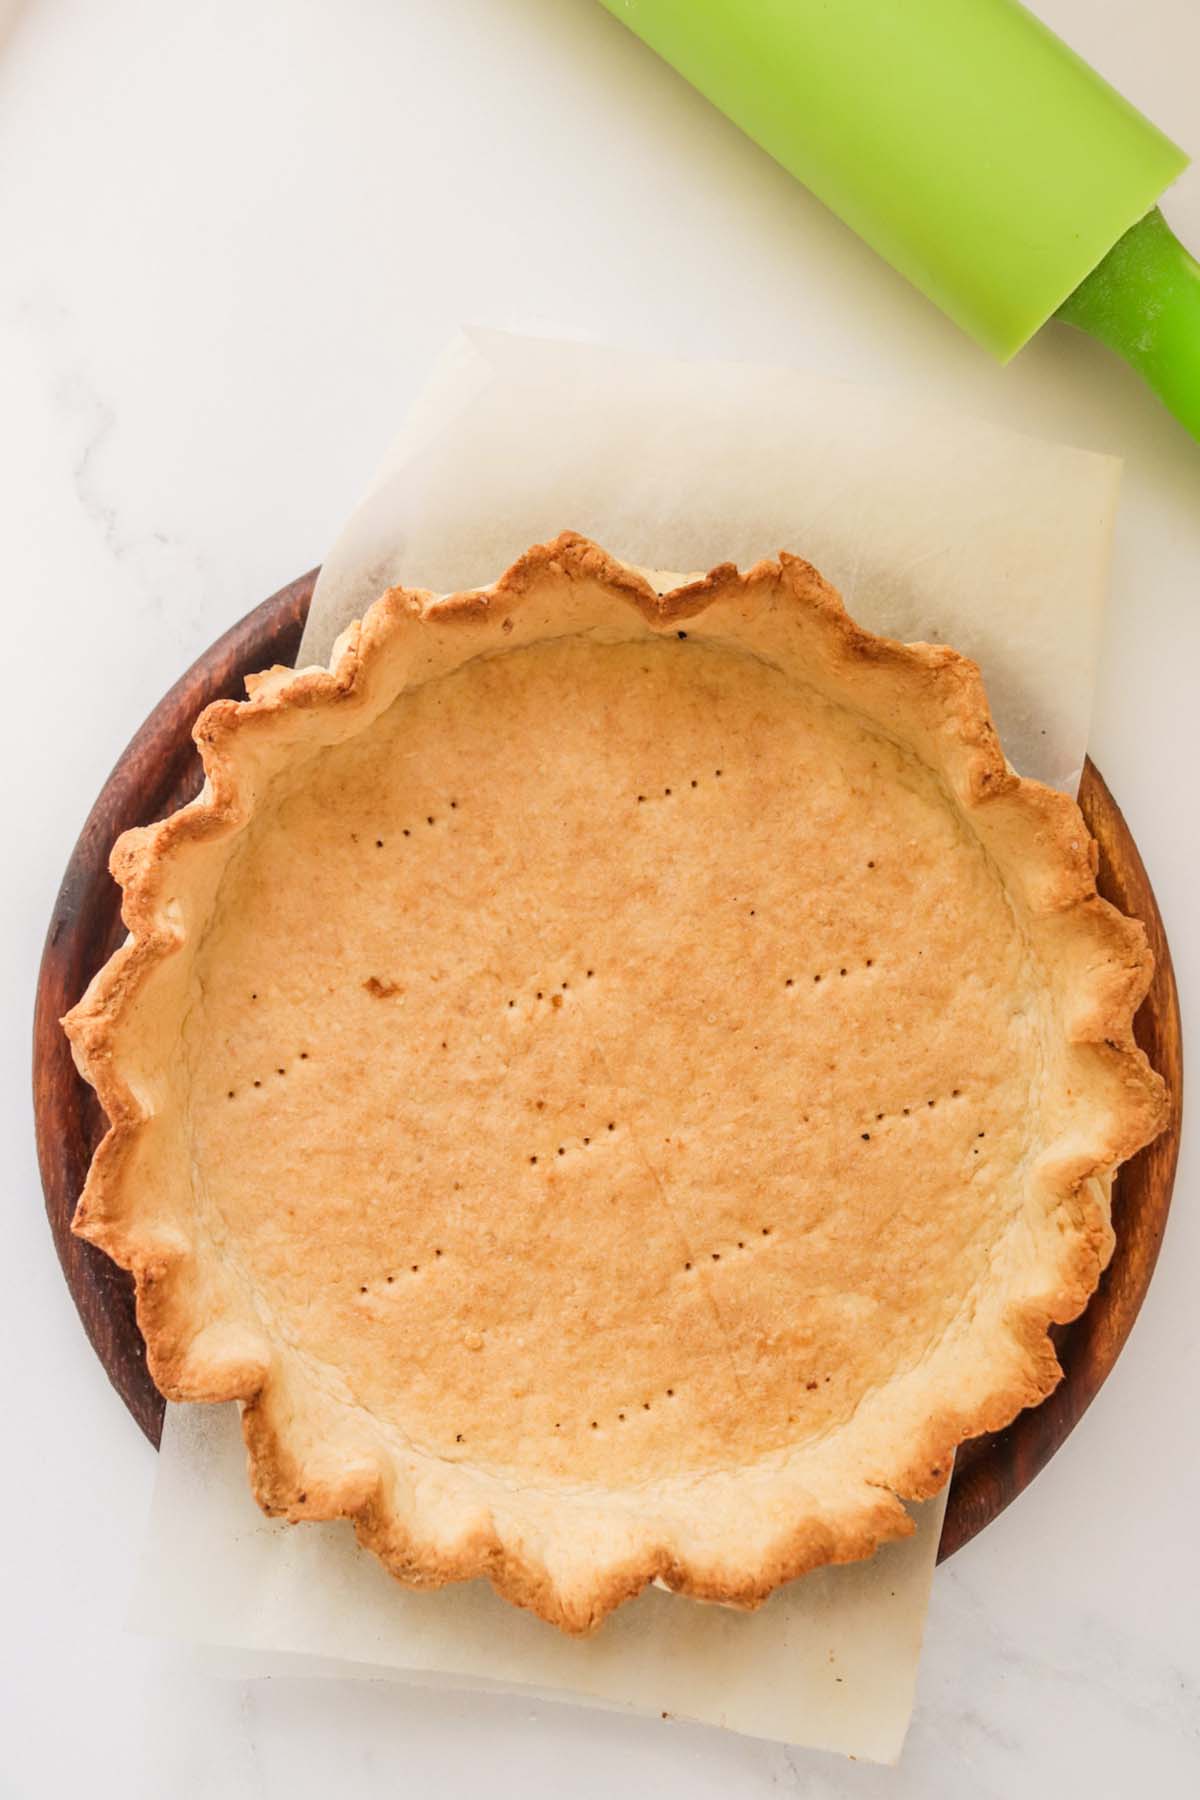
233,239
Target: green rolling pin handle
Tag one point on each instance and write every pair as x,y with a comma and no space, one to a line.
1143,301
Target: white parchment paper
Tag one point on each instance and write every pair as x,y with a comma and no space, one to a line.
830,1661
933,527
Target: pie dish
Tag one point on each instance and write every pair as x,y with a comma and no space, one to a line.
616,1076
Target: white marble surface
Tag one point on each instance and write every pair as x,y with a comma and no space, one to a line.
231,238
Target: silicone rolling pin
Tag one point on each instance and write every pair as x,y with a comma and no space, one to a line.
973,150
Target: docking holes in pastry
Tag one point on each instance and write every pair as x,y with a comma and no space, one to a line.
914,1109
409,1269
551,995
621,1417
232,1093
843,970
406,830
726,1249
669,793
583,1142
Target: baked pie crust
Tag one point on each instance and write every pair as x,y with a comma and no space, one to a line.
616,1082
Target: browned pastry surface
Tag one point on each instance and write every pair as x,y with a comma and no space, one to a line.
617,1083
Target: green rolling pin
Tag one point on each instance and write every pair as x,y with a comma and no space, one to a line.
971,148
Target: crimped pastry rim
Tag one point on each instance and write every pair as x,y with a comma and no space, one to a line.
1047,830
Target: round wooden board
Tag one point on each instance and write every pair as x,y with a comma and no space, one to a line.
160,771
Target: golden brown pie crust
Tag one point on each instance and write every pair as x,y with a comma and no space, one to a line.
616,1083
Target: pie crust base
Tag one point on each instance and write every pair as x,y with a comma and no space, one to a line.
617,1083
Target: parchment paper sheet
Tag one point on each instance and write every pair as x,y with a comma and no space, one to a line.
933,527
215,1571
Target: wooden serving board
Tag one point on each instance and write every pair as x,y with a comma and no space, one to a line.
161,771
